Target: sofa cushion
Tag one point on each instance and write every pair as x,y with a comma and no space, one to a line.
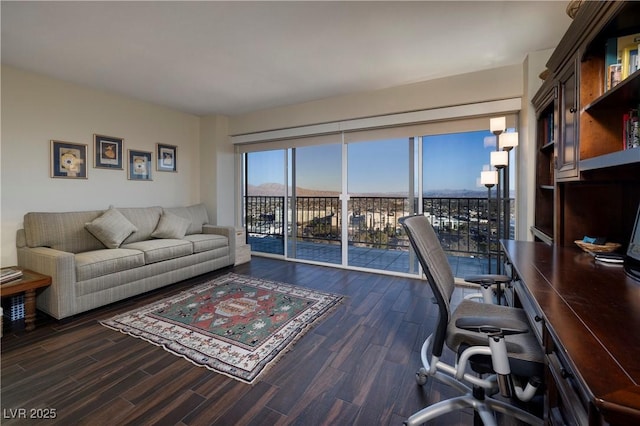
61,231
196,214
144,218
164,249
206,242
111,228
171,226
92,264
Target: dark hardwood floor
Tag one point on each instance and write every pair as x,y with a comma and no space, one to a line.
357,367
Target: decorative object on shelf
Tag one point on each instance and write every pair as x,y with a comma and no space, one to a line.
573,7
597,248
166,158
139,165
544,74
68,160
107,152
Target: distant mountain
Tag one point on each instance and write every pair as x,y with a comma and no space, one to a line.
277,189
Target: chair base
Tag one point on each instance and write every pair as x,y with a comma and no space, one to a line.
482,401
484,408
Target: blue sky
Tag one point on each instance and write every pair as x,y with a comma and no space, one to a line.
451,161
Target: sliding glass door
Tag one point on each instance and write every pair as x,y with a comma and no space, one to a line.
340,202
265,192
380,182
314,208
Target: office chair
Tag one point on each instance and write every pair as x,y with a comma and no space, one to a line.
495,341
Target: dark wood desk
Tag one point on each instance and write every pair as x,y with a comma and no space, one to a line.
587,317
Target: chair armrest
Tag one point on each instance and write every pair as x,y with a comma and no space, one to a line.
487,282
492,325
487,279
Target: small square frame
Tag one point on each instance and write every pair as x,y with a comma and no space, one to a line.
108,152
166,158
68,160
139,165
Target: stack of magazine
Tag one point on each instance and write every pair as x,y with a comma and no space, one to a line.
10,274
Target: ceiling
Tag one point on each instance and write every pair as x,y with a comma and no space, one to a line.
232,58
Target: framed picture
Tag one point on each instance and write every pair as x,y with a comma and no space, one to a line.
139,165
68,160
108,152
167,158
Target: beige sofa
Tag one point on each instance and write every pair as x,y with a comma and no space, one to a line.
98,257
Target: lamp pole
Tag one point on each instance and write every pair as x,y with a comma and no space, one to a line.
489,178
508,141
497,127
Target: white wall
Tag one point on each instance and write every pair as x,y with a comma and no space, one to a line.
217,165
495,84
36,109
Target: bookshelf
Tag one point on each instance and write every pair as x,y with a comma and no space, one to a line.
587,172
546,119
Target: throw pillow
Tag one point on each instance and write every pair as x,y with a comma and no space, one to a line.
111,228
171,226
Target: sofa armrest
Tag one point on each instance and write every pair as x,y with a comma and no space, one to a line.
227,231
58,299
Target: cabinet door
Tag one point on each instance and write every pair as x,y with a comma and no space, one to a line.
568,149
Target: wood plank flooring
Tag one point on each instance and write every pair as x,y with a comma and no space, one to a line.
357,367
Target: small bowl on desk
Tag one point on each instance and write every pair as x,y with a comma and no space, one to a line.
597,248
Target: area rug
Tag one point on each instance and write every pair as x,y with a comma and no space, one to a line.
235,325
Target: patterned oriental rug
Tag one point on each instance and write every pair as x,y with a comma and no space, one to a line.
234,325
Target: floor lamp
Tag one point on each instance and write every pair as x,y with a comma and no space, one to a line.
489,179
507,142
497,126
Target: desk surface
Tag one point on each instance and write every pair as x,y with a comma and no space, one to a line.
592,312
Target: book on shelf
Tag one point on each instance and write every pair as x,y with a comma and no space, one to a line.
615,76
9,274
631,130
621,58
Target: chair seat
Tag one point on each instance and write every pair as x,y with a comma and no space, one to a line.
525,353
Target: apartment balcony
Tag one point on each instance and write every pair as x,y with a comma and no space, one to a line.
467,228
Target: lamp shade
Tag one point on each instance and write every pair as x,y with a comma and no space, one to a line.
508,141
499,159
497,125
489,178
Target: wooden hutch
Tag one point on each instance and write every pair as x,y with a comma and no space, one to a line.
587,182
586,314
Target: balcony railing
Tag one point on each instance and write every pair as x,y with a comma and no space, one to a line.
465,226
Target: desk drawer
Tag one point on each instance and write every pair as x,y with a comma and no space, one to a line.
564,404
535,318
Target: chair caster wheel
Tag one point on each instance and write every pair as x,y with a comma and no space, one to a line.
421,377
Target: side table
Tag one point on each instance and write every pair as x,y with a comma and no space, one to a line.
243,250
27,284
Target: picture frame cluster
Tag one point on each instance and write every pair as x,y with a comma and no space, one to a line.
70,160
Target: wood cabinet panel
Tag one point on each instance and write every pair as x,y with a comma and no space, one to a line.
596,174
